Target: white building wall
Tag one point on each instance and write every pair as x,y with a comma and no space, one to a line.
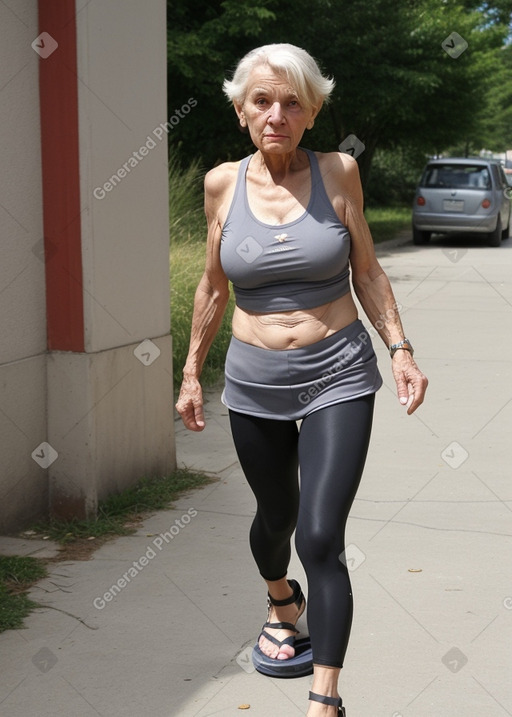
107,414
23,483
125,234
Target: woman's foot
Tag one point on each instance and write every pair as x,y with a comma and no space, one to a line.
282,591
320,709
324,697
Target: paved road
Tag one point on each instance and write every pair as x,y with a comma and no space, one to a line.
430,535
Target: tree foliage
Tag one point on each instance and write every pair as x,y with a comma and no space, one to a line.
396,86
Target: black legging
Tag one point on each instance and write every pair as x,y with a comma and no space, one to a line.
330,449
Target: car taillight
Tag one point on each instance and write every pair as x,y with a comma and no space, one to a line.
486,203
421,201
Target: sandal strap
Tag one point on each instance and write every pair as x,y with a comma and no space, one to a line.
297,596
332,701
287,640
281,626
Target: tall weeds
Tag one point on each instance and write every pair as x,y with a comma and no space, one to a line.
187,259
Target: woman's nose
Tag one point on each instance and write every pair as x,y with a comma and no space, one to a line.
275,113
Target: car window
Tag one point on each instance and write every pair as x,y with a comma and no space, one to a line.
456,176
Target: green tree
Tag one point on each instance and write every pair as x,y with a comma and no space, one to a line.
396,85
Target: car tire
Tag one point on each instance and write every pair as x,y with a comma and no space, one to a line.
419,237
494,238
505,233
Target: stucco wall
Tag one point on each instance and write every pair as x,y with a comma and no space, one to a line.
106,413
23,484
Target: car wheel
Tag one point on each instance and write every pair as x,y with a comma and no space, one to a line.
494,238
506,231
419,237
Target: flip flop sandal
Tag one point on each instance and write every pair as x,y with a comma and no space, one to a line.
300,665
302,662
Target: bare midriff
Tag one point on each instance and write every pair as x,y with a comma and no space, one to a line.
293,329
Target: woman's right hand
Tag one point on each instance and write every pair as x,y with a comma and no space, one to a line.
190,404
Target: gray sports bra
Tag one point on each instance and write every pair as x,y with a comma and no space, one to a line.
298,265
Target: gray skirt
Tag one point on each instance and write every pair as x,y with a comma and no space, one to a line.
289,384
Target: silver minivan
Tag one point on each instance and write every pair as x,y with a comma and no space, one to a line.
458,194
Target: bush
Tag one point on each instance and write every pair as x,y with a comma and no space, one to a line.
394,176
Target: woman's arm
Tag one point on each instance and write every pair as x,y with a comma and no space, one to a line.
373,289
210,301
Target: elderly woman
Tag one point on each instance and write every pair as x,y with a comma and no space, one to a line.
286,227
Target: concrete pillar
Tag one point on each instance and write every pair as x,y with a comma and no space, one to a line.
105,197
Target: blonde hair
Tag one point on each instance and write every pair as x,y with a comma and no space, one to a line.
297,65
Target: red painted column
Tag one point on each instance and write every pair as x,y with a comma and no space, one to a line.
58,89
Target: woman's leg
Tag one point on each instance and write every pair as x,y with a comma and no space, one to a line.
333,444
267,450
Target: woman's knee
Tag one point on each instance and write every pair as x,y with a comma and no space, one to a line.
279,524
316,545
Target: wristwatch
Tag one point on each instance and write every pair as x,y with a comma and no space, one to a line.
404,344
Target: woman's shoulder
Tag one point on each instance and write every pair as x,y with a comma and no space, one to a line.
339,162
219,188
220,178
340,173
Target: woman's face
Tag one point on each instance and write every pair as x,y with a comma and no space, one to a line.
273,113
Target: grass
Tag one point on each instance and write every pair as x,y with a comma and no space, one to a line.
118,514
386,223
16,576
187,264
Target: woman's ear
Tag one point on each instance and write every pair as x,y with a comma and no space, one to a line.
314,113
240,112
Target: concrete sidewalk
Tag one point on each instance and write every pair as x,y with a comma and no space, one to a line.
429,535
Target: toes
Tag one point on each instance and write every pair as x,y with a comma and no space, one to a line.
285,652
268,648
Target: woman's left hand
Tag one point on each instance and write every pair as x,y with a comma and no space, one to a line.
410,382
